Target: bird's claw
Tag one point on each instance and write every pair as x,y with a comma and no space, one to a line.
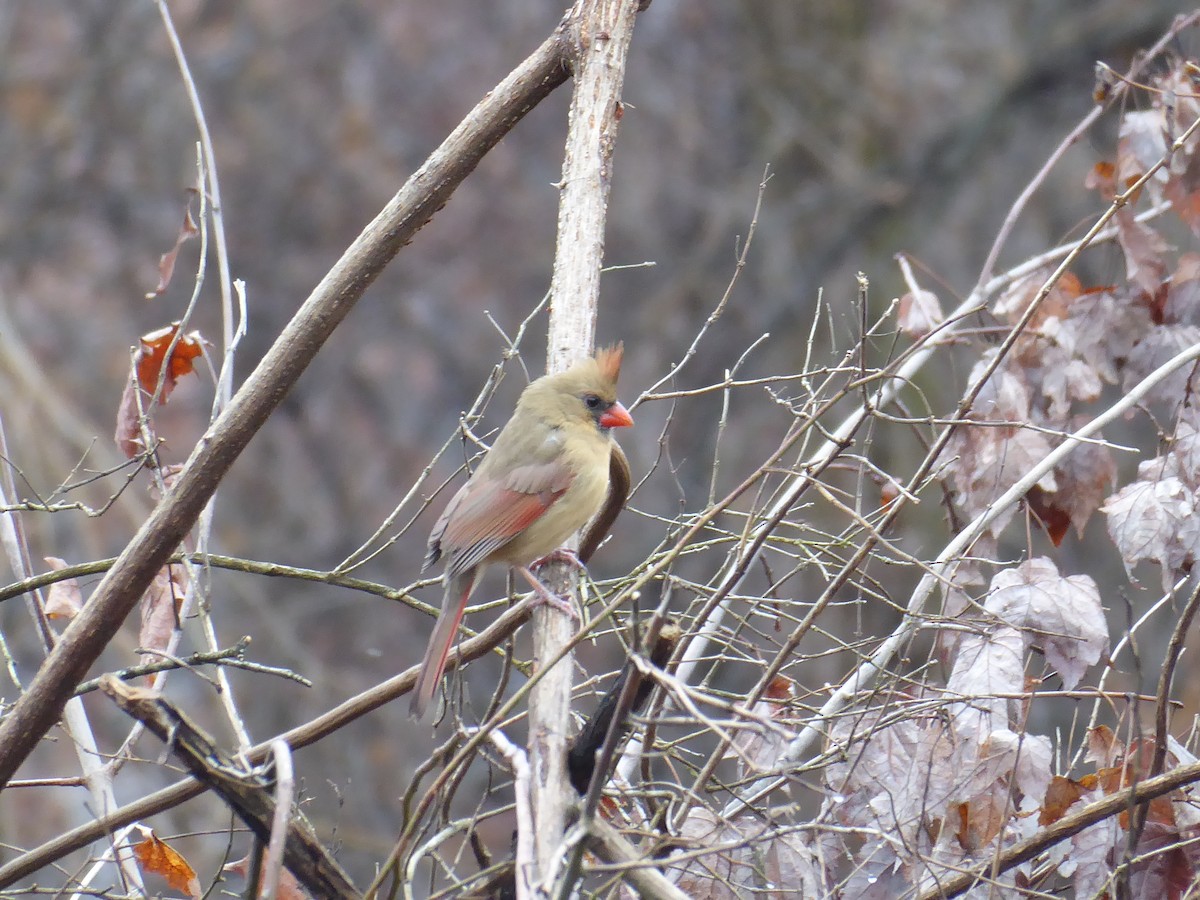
543,594
562,604
561,555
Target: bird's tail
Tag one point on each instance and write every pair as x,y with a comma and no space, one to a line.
458,589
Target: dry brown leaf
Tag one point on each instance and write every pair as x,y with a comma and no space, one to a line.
1053,518
1103,329
159,858
1160,345
1084,479
1144,249
129,432
160,612
980,820
149,362
290,887
1183,188
1061,795
166,263
1102,178
64,599
1140,146
1154,518
1062,616
758,749
1182,305
987,461
1013,302
1103,748
151,358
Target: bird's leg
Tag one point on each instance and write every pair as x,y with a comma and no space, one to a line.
547,596
561,555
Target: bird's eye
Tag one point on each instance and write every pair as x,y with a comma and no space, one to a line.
591,401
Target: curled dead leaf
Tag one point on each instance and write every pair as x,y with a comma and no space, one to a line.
64,599
156,857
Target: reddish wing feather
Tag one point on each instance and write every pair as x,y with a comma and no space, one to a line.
488,514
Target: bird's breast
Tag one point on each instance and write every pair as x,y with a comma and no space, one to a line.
568,514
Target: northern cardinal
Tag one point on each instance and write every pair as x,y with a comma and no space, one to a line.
546,475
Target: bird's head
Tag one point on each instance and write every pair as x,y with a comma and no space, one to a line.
586,393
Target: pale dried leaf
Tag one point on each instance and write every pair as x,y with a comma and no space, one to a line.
794,867
959,593
723,874
1103,330
877,874
1147,517
1012,304
1063,616
1034,768
1183,457
1003,397
64,599
1182,306
1089,861
987,664
160,611
1144,249
1159,346
919,313
1140,145
990,460
892,775
1073,380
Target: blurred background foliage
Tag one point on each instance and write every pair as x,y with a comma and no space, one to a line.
887,126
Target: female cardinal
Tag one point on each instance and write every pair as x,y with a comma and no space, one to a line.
544,478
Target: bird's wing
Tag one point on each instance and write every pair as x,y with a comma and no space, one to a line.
487,513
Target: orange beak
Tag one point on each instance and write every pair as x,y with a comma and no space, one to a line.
616,416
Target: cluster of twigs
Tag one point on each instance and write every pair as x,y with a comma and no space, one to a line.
796,714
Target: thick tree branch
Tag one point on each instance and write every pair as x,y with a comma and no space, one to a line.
423,195
601,31
247,792
1031,847
301,736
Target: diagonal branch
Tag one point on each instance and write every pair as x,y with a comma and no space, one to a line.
423,194
247,792
301,736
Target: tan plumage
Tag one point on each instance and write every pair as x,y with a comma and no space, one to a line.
545,476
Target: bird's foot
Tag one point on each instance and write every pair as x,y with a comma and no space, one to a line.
544,595
561,555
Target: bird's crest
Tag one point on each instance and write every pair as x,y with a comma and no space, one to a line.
608,359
